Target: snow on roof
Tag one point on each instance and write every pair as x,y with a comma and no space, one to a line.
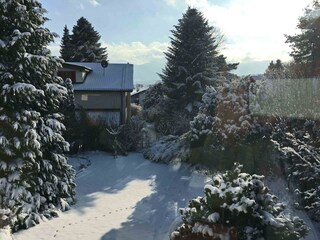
76,66
140,90
116,77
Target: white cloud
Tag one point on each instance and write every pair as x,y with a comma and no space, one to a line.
94,3
171,2
136,52
254,29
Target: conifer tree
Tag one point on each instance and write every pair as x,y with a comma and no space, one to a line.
67,49
193,60
275,70
306,45
35,177
85,41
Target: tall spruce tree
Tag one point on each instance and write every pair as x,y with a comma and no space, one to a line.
35,177
85,42
306,45
66,49
193,60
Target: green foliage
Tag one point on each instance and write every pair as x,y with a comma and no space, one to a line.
83,45
87,133
239,206
193,61
131,134
305,45
66,49
35,177
162,111
275,70
97,134
299,140
154,95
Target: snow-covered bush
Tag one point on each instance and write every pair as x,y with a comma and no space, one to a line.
169,149
238,206
201,125
225,131
225,116
299,141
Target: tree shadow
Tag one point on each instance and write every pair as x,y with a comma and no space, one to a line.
154,215
107,175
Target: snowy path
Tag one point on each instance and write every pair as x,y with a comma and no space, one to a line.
123,198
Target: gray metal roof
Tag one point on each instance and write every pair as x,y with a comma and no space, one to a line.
116,77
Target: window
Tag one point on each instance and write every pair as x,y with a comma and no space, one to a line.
84,97
68,74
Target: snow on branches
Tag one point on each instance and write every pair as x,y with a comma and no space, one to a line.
225,115
298,141
35,177
239,206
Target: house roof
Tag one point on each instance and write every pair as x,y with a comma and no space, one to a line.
76,67
116,77
137,92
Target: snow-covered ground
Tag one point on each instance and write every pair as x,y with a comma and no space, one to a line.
131,198
123,198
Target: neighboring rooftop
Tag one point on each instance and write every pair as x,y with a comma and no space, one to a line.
116,77
139,90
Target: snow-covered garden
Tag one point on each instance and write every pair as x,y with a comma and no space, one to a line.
128,198
133,198
188,164
123,198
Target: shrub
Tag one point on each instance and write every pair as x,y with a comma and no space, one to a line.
226,128
299,142
163,112
131,134
169,149
238,206
135,109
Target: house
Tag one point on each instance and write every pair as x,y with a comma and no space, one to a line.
103,92
138,95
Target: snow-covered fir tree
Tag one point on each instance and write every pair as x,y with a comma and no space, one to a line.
193,61
35,177
238,206
66,49
85,43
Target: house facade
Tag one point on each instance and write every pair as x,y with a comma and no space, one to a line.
104,93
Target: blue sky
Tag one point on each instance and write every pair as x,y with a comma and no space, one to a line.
138,31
